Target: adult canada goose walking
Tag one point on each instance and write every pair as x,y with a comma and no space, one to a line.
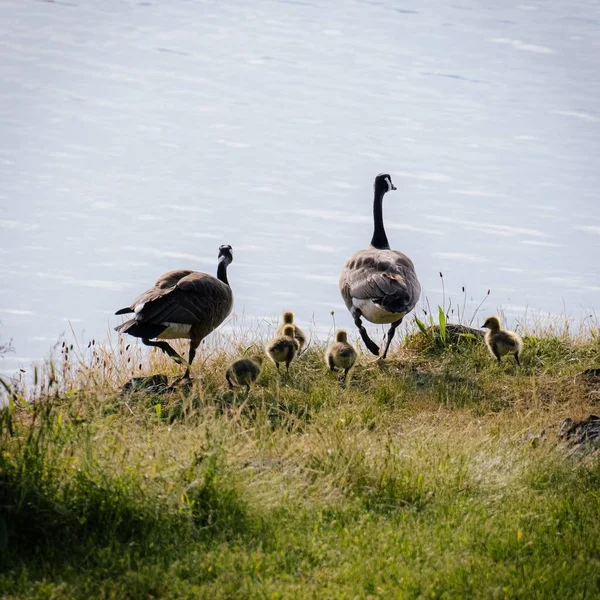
377,283
182,304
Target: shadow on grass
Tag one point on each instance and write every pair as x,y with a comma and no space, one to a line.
58,509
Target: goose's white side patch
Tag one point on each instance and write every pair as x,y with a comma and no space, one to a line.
175,331
374,313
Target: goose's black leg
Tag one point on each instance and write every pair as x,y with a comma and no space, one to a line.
229,381
517,358
165,348
390,336
369,343
193,347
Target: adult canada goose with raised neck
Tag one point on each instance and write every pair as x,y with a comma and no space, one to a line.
500,341
340,354
283,348
288,319
378,283
182,304
244,371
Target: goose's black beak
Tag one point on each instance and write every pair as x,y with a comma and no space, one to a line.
394,187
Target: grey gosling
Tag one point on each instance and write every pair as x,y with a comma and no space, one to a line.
378,283
283,348
244,371
501,342
288,319
340,354
182,304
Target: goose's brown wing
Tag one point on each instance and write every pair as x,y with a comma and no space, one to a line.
171,278
163,284
385,276
190,299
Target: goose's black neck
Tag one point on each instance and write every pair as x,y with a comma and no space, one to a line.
379,239
222,270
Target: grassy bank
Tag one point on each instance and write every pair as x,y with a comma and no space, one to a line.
418,480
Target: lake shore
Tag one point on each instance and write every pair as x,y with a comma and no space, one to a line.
436,474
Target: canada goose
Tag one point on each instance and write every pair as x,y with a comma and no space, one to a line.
283,348
501,342
377,283
244,371
288,319
341,354
182,304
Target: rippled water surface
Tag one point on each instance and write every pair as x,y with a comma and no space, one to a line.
136,137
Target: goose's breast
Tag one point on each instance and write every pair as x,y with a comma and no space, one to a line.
375,313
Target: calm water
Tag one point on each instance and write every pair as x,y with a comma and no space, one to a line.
136,137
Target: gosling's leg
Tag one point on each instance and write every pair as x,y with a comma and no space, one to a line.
369,343
496,353
345,377
331,363
390,336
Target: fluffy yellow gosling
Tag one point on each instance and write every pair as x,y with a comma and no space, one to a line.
288,319
340,354
244,371
501,342
283,348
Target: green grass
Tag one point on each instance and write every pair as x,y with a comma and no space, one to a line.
416,481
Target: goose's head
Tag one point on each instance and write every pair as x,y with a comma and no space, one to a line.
383,183
341,336
492,323
226,253
288,317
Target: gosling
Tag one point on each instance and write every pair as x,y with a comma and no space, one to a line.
501,342
340,354
283,348
244,371
288,319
